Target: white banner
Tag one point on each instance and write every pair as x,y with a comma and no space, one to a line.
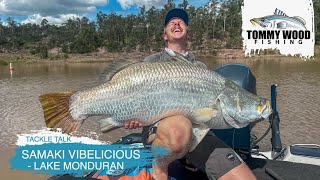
285,25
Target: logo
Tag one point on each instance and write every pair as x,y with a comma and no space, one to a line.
279,20
290,31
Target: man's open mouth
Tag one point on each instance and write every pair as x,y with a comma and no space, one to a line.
177,30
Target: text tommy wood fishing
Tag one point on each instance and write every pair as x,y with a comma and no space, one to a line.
278,36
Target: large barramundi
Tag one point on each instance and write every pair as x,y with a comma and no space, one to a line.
149,92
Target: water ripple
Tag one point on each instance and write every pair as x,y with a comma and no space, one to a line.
20,109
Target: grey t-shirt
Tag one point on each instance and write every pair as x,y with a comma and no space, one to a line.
164,56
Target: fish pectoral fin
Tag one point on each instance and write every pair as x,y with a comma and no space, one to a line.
107,125
203,115
282,25
199,132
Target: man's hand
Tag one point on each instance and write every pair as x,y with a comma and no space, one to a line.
133,125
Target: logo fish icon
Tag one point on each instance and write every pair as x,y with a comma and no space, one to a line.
279,20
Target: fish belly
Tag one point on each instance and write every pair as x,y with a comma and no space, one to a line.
149,103
150,107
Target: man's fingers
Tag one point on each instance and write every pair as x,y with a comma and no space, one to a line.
132,125
126,125
137,124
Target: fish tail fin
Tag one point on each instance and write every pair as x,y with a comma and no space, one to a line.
56,112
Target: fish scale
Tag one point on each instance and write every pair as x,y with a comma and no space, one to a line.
149,92
155,77
170,77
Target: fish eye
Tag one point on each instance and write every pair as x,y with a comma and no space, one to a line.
259,102
263,20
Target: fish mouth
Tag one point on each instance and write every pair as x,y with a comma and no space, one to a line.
258,22
254,22
266,110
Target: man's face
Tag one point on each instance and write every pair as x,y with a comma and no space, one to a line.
176,29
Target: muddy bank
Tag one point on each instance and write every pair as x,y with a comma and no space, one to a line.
103,56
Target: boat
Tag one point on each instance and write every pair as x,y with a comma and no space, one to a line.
297,161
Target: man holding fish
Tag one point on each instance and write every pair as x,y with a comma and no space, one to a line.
175,131
176,98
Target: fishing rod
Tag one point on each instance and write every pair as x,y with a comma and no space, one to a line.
274,122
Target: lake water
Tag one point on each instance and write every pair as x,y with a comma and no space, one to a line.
20,111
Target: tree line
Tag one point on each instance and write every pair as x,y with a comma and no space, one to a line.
215,25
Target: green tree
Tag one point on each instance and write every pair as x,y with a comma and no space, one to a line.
211,12
85,41
217,23
184,4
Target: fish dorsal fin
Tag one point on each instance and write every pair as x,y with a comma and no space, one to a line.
279,12
300,19
113,68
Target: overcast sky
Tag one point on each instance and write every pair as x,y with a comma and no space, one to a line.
58,11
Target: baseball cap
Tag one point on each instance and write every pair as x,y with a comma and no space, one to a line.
176,13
